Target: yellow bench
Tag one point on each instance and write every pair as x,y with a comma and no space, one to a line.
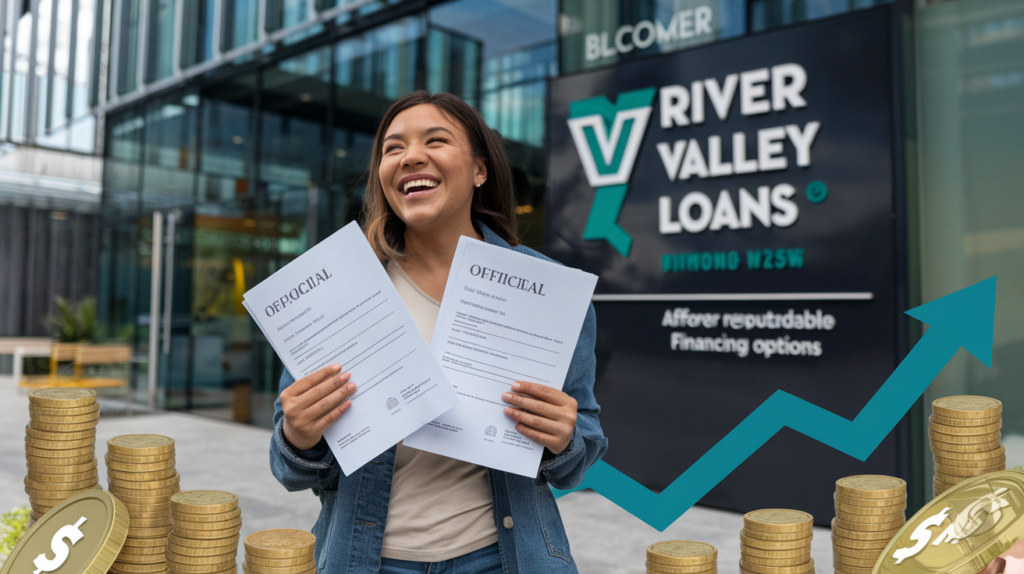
81,355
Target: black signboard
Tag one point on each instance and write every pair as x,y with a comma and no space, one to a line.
738,203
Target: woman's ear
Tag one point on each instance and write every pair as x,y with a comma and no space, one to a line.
480,173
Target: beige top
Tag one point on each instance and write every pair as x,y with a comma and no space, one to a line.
441,508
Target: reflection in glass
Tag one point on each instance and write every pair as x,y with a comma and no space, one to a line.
169,163
128,43
240,22
160,34
197,33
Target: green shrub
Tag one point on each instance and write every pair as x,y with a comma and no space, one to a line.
13,525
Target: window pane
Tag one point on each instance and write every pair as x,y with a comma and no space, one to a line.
283,14
227,141
197,37
169,164
240,22
160,53
128,42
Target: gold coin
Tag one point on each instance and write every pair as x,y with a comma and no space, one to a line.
280,543
756,569
850,561
145,550
839,530
211,551
964,422
142,476
59,486
59,411
153,532
758,560
59,436
846,569
167,490
212,559
673,552
174,538
868,510
966,431
62,397
873,554
952,479
151,522
59,453
966,464
139,459
298,569
127,568
966,407
161,501
130,558
61,468
223,525
999,451
70,460
58,427
148,515
58,494
773,544
145,542
963,438
65,419
227,562
144,484
218,517
793,553
776,536
64,478
281,562
862,527
140,444
951,447
871,486
133,509
138,467
204,501
866,545
869,519
652,567
778,520
60,445
205,534
967,472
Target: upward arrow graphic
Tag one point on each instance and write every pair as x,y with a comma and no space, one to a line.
964,318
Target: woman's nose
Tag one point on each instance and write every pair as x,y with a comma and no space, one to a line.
414,155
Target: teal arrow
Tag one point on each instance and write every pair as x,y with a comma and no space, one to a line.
961,319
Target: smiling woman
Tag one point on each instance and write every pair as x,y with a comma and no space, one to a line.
437,173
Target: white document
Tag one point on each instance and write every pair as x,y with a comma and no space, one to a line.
336,304
506,316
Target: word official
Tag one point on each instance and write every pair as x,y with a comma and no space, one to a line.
301,289
496,276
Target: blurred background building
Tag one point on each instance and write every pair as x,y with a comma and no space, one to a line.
167,155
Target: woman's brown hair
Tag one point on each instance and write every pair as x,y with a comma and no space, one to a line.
493,202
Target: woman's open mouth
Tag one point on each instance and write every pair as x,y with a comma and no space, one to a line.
418,187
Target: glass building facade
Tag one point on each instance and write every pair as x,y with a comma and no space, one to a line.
237,135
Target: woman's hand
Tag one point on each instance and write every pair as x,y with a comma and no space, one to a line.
312,403
545,415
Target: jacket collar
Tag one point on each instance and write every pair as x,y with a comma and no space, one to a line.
490,236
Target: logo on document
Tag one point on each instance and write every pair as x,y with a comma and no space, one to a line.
491,431
392,403
607,137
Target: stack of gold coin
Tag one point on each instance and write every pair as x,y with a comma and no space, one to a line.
776,541
870,509
280,551
674,557
204,532
60,446
141,474
965,436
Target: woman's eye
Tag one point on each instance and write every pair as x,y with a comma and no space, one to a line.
432,140
391,147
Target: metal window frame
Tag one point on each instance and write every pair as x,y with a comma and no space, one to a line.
51,66
30,76
113,54
14,69
142,43
72,62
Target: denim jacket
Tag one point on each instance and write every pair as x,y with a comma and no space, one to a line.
531,539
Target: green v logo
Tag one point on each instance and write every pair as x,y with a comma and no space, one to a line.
607,138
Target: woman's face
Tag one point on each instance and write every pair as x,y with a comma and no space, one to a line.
427,168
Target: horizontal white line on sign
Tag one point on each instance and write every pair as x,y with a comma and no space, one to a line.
854,296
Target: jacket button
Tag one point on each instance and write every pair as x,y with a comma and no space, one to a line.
507,522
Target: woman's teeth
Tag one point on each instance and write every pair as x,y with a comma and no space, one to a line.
426,183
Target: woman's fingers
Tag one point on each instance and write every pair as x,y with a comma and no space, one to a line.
326,404
536,422
318,391
548,441
329,418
